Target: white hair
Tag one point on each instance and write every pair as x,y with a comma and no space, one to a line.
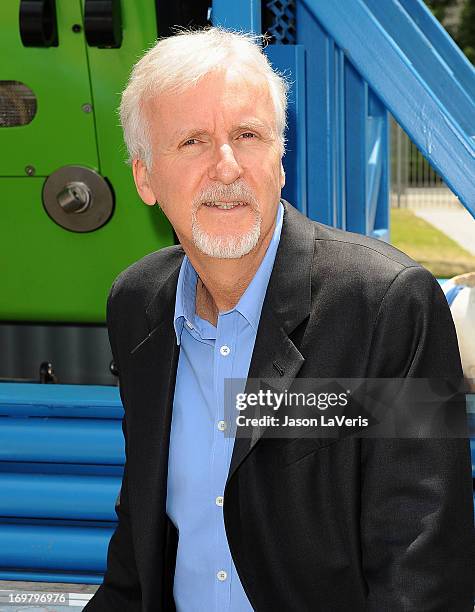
178,63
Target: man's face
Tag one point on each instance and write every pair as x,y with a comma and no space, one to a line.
217,171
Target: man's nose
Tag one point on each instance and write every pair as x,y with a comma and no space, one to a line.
225,168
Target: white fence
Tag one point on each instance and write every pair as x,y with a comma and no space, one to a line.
414,183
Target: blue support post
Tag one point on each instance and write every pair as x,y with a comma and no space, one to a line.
318,68
339,140
347,145
290,59
367,149
356,96
378,223
243,15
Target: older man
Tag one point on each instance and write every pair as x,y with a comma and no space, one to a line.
209,523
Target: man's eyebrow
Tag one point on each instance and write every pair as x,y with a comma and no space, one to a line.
251,124
189,133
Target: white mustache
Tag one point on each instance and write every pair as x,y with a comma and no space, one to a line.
236,192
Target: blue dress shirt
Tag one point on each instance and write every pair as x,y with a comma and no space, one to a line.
200,454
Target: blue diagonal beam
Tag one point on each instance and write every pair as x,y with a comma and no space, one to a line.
389,60
426,59
441,40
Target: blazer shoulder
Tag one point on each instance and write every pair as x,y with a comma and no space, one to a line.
145,276
348,250
369,269
361,252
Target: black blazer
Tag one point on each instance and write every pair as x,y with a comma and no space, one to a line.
312,524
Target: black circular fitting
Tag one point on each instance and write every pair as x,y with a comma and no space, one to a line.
38,23
103,23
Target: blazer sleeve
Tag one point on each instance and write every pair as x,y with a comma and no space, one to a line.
120,589
416,508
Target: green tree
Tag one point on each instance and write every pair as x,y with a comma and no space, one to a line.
464,34
466,30
439,7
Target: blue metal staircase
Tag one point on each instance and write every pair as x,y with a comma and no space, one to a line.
418,73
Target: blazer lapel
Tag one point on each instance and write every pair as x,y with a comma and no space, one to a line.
286,306
153,363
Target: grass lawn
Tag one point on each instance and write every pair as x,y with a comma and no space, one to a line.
428,246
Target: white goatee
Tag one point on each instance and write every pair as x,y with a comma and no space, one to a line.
226,247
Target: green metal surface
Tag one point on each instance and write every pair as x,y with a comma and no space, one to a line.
109,71
61,133
49,273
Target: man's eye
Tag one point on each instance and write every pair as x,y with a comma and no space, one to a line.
190,141
248,135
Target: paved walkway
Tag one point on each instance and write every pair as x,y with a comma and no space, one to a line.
457,223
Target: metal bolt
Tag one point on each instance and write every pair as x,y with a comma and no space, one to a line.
30,170
87,108
75,197
76,28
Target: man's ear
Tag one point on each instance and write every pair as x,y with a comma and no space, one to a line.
142,182
282,176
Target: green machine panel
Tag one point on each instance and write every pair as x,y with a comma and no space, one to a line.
60,133
53,274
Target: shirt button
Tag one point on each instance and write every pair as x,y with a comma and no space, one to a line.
221,575
219,500
221,425
189,325
225,350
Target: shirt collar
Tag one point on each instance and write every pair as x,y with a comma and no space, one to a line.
185,297
250,304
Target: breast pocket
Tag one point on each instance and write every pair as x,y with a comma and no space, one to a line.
298,448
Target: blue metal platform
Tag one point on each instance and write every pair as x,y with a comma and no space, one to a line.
61,463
